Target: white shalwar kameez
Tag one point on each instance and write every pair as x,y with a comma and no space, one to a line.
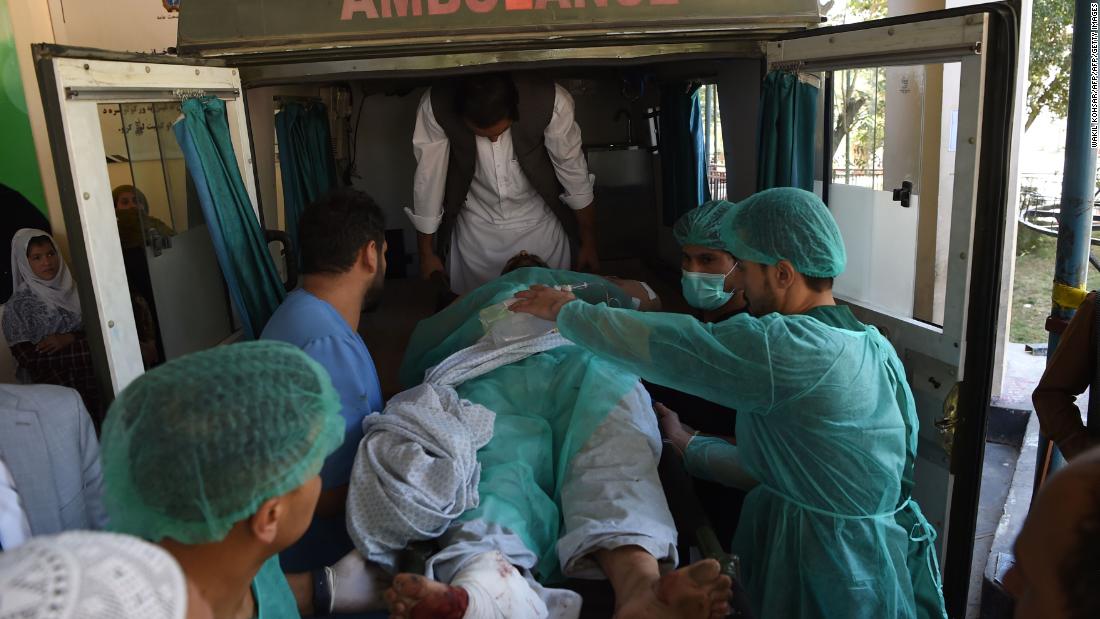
503,214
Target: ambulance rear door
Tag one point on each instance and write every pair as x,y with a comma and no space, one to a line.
913,130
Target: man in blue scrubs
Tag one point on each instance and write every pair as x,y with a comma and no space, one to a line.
342,238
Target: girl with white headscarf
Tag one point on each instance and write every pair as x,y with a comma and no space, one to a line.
42,320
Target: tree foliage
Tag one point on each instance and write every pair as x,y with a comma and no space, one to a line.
1048,70
864,10
860,96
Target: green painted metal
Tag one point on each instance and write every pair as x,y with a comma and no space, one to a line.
20,163
211,26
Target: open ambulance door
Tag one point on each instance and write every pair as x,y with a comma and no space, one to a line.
913,148
110,118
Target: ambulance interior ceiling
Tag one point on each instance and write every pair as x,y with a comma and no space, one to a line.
373,127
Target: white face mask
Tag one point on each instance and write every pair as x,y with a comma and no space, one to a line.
706,291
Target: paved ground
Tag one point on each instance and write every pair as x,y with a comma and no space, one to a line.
1007,474
997,470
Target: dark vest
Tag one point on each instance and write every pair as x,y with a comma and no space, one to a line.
536,106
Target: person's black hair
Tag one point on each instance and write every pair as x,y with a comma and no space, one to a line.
335,227
819,284
41,239
522,261
1078,572
485,100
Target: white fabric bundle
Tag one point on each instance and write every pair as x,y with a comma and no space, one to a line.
416,469
486,356
497,590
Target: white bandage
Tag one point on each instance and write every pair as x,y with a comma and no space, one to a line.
497,590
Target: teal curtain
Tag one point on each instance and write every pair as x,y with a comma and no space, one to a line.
305,159
683,152
246,264
788,121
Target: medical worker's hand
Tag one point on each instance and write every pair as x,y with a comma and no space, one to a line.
671,427
542,301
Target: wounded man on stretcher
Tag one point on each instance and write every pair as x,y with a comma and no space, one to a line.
529,460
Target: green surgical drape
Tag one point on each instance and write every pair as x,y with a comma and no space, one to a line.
305,159
785,143
683,153
246,264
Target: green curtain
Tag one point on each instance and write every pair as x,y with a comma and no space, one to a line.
683,152
246,264
305,159
788,120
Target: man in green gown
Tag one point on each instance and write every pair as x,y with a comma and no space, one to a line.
826,425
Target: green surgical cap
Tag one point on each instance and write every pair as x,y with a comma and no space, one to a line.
703,226
199,443
789,224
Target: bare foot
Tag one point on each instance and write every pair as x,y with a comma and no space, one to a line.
415,597
698,591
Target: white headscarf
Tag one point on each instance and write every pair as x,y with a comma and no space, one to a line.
57,292
91,575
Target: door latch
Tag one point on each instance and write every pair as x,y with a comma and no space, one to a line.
950,420
904,193
157,241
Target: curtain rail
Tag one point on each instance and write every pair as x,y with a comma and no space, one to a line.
855,61
113,93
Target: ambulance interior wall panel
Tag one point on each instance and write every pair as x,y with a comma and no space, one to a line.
384,160
739,101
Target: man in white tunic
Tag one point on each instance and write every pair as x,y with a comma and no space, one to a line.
500,170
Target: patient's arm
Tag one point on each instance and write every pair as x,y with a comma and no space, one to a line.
648,299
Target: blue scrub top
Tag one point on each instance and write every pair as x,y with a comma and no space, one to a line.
321,332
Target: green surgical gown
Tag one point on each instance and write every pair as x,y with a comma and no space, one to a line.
274,599
827,424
